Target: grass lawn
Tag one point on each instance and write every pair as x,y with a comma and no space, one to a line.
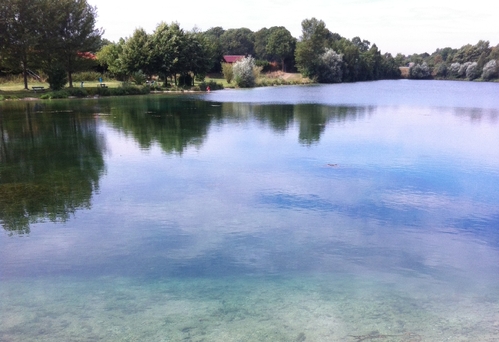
15,88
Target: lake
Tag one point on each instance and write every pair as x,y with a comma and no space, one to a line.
347,212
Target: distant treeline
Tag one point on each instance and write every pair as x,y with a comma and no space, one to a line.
58,38
320,54
471,62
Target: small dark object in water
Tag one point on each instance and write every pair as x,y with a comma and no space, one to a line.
301,337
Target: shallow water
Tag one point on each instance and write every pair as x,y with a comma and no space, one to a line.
353,212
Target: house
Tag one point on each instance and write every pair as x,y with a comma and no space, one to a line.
232,58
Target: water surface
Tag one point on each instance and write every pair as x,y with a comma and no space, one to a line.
352,212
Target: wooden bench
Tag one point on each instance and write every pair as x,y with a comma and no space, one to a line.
102,85
38,88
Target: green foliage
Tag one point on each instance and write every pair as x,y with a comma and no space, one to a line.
214,47
314,40
57,77
440,70
239,41
61,94
420,71
228,72
136,53
111,58
490,70
139,77
280,45
244,73
330,67
87,76
185,80
212,84
68,30
472,71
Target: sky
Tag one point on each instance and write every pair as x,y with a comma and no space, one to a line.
393,25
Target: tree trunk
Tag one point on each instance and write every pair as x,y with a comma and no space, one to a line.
70,79
25,75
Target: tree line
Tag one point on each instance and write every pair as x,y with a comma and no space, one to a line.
55,37
48,35
469,62
321,55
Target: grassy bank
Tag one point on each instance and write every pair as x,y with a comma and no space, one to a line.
14,88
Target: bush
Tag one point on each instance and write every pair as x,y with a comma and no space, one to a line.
440,70
228,72
243,72
200,77
87,76
61,94
212,84
420,71
473,71
453,69
330,67
57,78
139,78
462,69
490,70
78,92
185,80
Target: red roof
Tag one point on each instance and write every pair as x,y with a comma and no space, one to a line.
87,55
233,58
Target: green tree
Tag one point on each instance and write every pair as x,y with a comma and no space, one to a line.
239,41
244,72
136,53
228,72
110,57
212,39
69,31
281,45
330,69
260,46
194,57
313,42
164,49
19,36
362,45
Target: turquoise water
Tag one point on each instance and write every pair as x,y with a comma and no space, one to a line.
355,212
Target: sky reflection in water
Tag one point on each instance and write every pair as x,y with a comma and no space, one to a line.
182,187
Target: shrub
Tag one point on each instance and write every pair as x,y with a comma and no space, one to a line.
330,67
78,92
228,72
87,76
257,70
212,84
462,69
453,69
61,94
490,70
57,78
420,71
139,78
243,72
185,80
473,71
440,70
200,77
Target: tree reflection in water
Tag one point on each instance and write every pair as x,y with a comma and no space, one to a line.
50,164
